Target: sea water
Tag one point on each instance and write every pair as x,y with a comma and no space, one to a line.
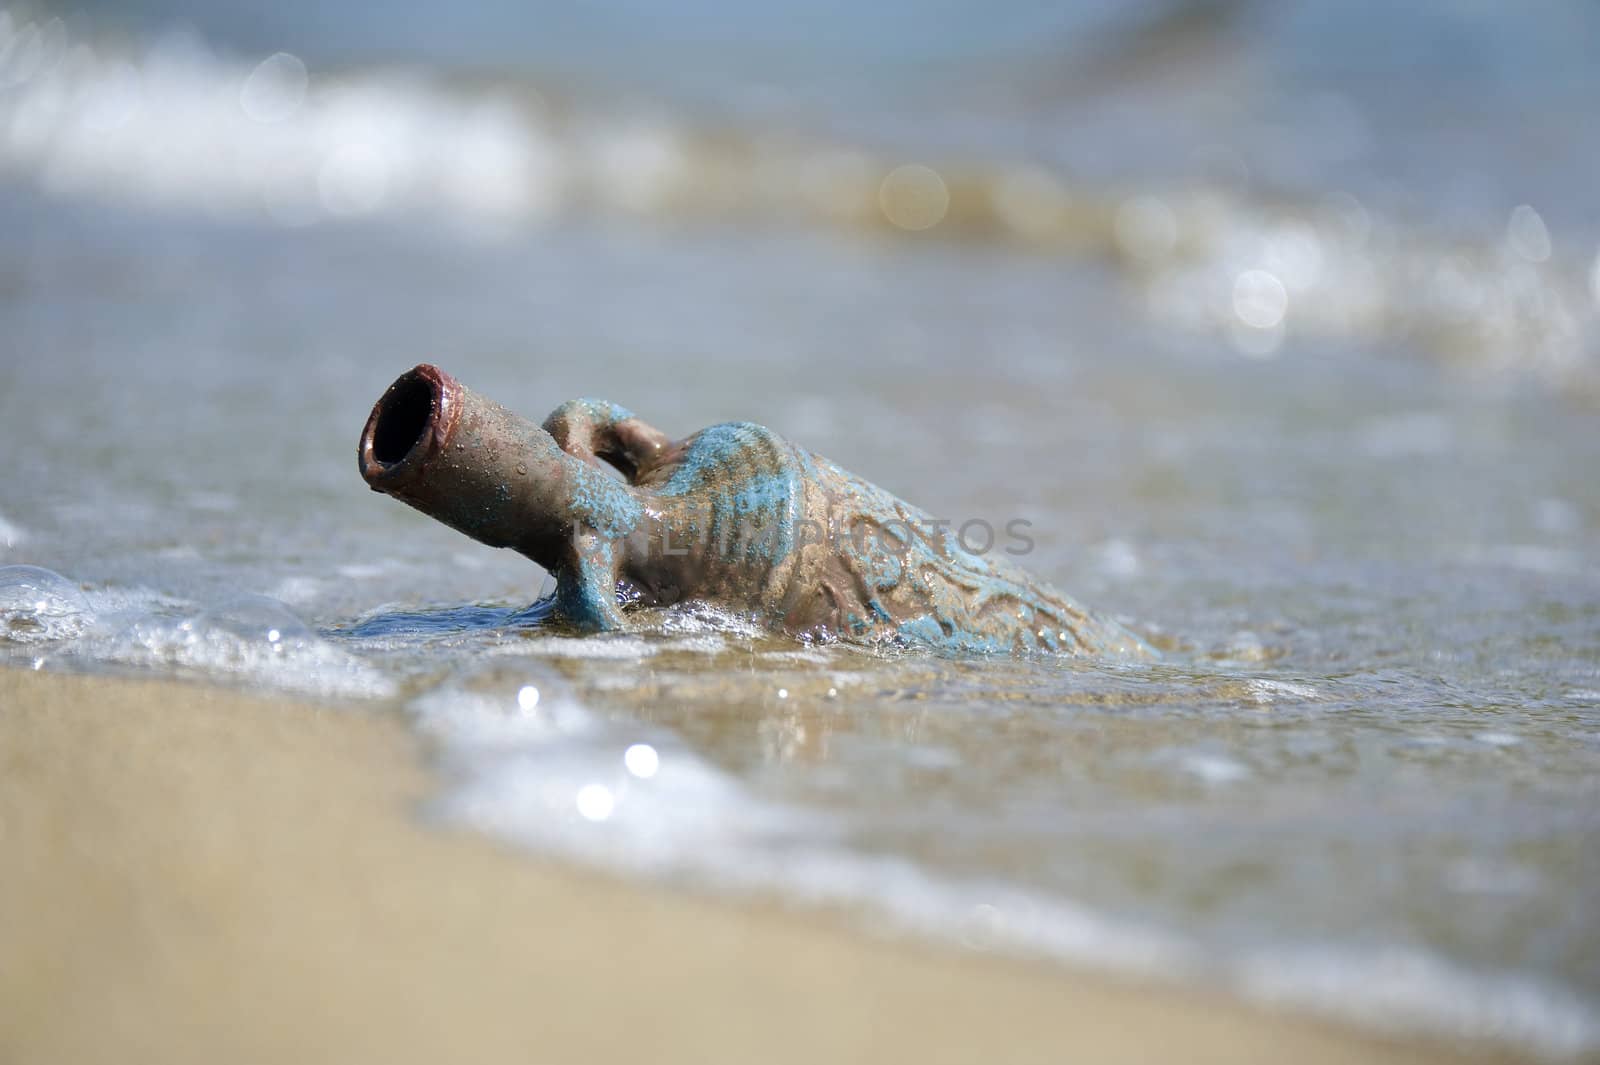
1278,328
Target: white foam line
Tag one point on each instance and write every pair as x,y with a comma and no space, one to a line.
557,785
179,126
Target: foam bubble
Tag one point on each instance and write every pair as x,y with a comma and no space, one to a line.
618,647
298,589
1400,990
252,638
530,763
1276,691
258,620
38,605
695,618
559,777
502,710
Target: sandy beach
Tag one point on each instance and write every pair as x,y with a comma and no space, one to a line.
194,874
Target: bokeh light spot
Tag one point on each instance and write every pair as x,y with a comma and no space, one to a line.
275,89
914,197
642,760
1527,234
1259,299
595,802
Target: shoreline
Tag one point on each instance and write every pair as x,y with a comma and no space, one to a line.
197,874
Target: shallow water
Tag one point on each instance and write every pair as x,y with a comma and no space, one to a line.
1329,446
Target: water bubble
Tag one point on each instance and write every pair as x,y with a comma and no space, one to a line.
275,89
642,760
256,621
914,197
1527,235
1146,228
527,698
37,604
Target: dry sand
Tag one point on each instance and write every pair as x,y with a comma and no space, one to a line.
194,875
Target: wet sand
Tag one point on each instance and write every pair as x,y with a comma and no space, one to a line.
196,875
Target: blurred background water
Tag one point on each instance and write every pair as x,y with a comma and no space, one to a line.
1277,321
